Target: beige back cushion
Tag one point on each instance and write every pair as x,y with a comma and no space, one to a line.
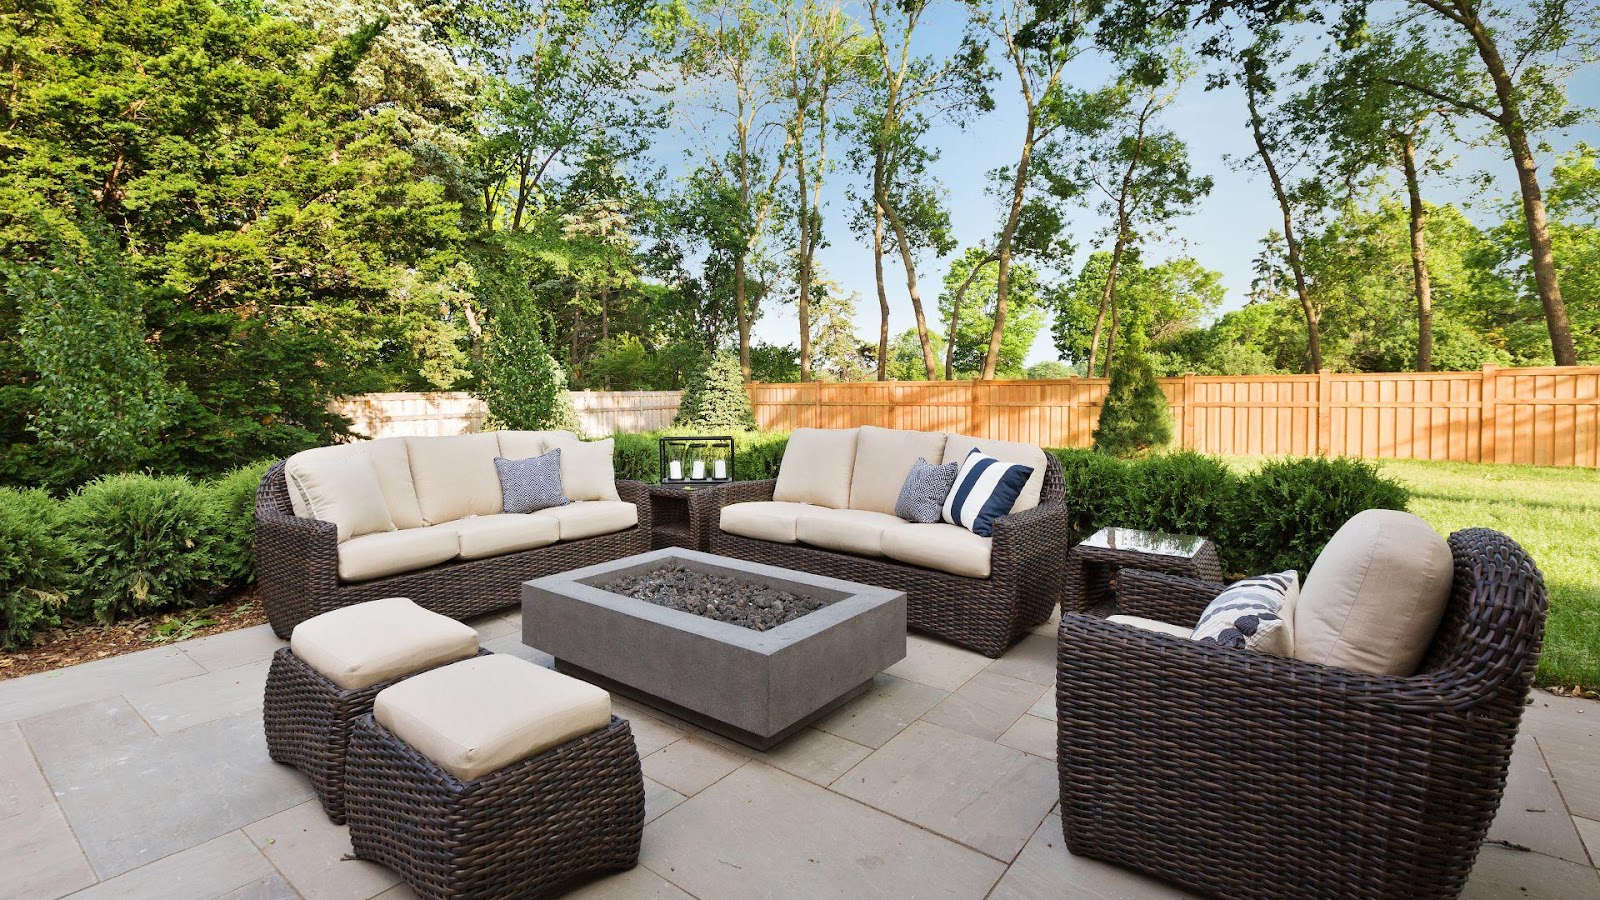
389,457
587,469
342,489
816,467
455,476
884,457
958,446
1374,597
528,444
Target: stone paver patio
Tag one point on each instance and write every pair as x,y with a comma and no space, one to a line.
147,776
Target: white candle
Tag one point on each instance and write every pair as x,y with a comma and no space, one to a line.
699,470
720,467
675,470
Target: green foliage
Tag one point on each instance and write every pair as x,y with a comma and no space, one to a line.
1135,418
716,402
232,501
774,363
1095,486
1025,315
1285,511
1049,369
1178,493
757,455
33,565
522,384
140,544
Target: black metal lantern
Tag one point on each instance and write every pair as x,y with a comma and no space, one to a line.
691,461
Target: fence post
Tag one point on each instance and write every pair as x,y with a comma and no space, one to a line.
1187,408
1486,424
1324,412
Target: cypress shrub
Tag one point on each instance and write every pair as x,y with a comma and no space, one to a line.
1283,514
1095,485
1135,418
33,565
715,400
522,384
232,498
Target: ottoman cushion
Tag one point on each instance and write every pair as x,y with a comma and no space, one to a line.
368,643
477,716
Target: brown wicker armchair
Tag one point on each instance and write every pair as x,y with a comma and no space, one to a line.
1028,568
1246,775
297,564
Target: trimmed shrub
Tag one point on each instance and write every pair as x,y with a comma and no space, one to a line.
758,455
522,384
1095,484
715,400
1179,493
1135,418
1283,514
140,544
232,498
33,565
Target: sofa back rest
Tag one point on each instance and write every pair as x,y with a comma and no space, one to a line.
389,457
455,476
958,446
884,457
816,467
527,444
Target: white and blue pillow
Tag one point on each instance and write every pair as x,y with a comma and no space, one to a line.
1252,614
985,490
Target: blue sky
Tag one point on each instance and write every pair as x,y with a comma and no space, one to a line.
1223,233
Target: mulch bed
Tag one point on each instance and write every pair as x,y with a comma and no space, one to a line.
80,642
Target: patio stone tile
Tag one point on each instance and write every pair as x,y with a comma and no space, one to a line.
233,648
1501,872
649,732
1033,735
22,785
691,765
309,851
41,857
1032,659
215,867
1565,718
179,704
1050,627
512,644
937,664
882,712
1576,768
272,887
494,625
1531,812
989,797
816,756
1045,708
1045,868
33,695
762,832
134,798
1589,831
658,798
638,883
985,706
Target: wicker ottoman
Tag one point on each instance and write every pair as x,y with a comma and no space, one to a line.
334,666
494,777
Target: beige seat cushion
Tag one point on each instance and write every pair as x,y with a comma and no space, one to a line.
483,714
389,456
883,460
587,469
392,552
816,467
368,643
958,446
455,476
765,520
485,536
528,444
941,546
341,489
1374,597
856,531
588,518
1153,625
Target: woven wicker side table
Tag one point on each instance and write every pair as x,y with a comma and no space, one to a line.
680,516
1092,565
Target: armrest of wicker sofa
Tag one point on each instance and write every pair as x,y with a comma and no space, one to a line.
637,493
297,560
727,494
1165,598
1029,537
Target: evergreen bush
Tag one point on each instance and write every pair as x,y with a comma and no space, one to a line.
1095,484
232,498
522,384
1283,514
716,402
33,565
757,455
1135,418
1178,493
140,544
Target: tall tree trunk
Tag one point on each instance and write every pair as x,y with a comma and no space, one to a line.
1296,265
803,275
930,364
1108,294
1111,337
1421,281
1019,189
739,313
955,313
883,294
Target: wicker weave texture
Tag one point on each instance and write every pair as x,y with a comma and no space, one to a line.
297,564
1245,775
1090,571
573,811
984,614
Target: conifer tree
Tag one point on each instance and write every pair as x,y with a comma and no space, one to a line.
522,384
716,400
1135,418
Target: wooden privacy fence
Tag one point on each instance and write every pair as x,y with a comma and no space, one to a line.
1547,416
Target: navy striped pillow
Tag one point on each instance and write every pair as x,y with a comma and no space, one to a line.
984,491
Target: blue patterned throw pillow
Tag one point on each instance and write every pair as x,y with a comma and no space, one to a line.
1252,614
922,495
529,485
985,489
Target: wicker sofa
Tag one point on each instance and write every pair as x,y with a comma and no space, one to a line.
830,511
451,548
1241,774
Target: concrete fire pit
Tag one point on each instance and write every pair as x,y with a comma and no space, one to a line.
755,687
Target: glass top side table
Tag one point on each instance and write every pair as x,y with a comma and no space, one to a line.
1092,565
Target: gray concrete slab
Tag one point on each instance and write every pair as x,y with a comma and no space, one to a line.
233,648
638,883
658,799
1033,735
1500,873
272,887
692,764
41,856
885,710
986,706
1032,659
1531,812
1045,868
177,705
937,664
812,754
1589,831
215,867
310,852
21,698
